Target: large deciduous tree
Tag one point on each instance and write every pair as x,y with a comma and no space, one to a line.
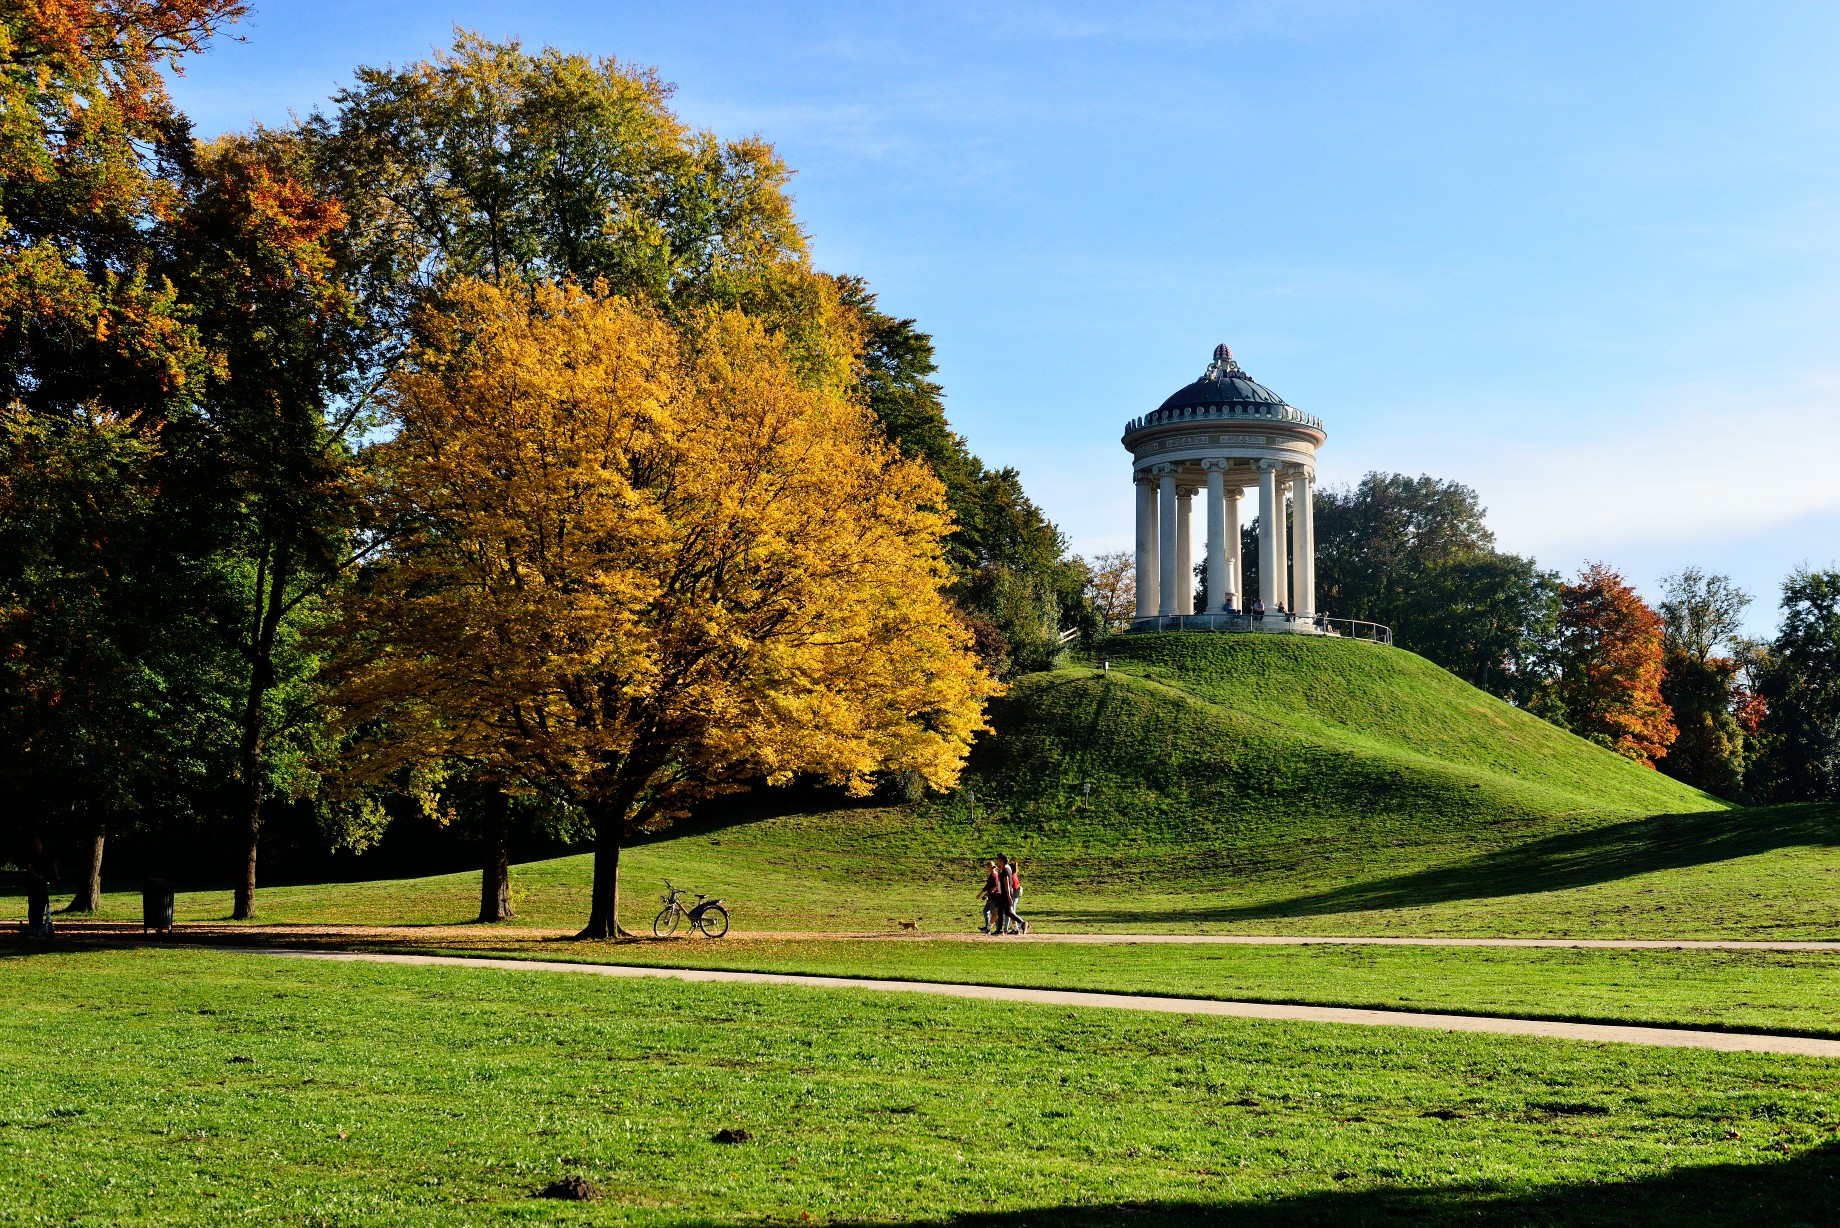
1610,666
268,461
81,701
491,161
1801,690
1417,555
651,562
100,363
1701,614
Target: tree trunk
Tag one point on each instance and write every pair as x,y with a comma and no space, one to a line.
270,593
495,879
604,906
89,889
244,907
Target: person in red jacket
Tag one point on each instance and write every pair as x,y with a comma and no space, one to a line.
992,895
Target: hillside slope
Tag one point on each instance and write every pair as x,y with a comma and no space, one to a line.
1280,743
1239,784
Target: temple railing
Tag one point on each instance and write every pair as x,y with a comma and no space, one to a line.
1279,624
1200,413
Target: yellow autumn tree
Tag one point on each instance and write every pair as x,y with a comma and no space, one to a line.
646,563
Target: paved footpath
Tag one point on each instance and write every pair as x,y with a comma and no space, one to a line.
1679,1038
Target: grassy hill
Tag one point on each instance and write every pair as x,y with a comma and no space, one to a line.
1252,784
1273,746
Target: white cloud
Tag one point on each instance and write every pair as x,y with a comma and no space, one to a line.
1701,465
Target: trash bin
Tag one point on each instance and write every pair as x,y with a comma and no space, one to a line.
156,906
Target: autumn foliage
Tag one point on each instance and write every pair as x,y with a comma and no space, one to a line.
1611,657
646,563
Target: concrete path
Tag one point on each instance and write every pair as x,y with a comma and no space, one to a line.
1679,1038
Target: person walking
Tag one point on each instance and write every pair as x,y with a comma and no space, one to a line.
992,895
41,872
1011,895
999,898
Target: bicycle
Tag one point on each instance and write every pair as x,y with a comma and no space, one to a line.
706,916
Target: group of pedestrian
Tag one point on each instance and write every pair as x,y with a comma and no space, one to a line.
1002,888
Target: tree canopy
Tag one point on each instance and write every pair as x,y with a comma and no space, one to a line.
1611,666
1801,688
1417,555
650,563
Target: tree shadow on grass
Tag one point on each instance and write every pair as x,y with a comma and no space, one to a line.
1789,1193
1556,863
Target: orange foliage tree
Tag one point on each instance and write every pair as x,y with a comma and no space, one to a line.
1611,654
646,564
92,153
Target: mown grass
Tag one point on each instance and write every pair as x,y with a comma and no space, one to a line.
1239,783
179,1087
1761,873
1772,991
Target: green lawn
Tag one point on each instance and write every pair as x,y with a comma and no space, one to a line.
1762,873
1740,990
154,1087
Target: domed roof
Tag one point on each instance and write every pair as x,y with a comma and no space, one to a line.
1223,383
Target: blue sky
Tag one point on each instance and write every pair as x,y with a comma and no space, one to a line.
1582,257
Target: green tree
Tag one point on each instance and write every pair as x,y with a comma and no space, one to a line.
1012,575
267,464
1490,619
1801,688
1417,555
1701,614
80,700
489,161
100,364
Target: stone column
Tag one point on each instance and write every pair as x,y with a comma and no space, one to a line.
1167,535
1235,588
1185,545
1303,531
1217,536
1280,546
1270,510
1147,553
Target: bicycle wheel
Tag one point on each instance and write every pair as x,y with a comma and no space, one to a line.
713,922
666,922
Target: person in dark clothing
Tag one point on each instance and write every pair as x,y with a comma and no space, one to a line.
1000,901
41,872
992,896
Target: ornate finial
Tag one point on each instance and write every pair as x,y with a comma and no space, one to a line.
1223,364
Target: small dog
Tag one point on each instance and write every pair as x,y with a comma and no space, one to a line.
908,925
